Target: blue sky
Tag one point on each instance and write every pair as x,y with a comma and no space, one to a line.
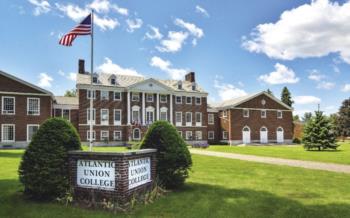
235,47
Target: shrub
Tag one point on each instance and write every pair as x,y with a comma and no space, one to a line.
174,159
44,167
296,141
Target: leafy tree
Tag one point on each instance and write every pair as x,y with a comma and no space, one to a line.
296,117
319,134
173,156
44,167
343,120
269,91
286,97
71,93
307,116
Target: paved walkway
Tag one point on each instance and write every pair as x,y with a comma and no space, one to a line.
340,168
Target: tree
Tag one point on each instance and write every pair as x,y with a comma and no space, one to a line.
296,117
307,116
286,97
71,93
269,91
319,134
173,157
343,119
44,167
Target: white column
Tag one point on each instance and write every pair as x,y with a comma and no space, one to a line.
171,109
158,111
128,112
143,109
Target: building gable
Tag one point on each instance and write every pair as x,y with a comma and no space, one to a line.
263,100
150,85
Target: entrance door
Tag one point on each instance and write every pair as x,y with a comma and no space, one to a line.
280,135
246,135
263,135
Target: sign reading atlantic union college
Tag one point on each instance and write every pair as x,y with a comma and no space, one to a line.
139,172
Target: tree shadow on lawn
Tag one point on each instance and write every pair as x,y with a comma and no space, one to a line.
10,154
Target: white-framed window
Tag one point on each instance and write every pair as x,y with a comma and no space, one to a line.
210,119
245,112
136,134
198,100
163,98
179,84
88,135
89,117
198,116
279,114
224,113
117,135
224,135
117,96
194,86
198,135
89,94
188,100
117,117
113,81
188,135
104,117
188,118
104,135
135,115
149,97
149,115
178,118
178,99
31,130
104,95
180,133
66,114
211,135
33,106
163,113
135,97
8,132
263,113
8,105
94,79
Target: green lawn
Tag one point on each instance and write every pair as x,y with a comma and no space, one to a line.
341,155
217,187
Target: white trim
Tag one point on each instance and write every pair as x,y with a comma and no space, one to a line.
190,97
163,110
195,117
133,134
24,93
93,118
176,102
191,134
93,95
117,123
265,113
211,115
135,108
31,125
2,132
188,123
200,101
211,132
224,135
101,97
244,110
104,123
280,117
135,94
256,109
166,98
176,122
149,95
29,98
150,109
2,105
121,136
104,131
224,113
198,133
69,112
93,135
120,95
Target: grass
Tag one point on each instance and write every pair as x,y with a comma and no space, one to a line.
341,155
217,187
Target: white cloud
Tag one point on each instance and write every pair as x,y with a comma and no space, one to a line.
105,22
310,30
316,76
173,43
71,76
164,65
111,68
306,99
190,27
227,91
104,6
201,10
41,7
346,88
134,24
281,75
325,85
155,34
45,80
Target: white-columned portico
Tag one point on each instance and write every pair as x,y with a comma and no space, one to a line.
158,110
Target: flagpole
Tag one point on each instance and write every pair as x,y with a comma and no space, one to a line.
91,79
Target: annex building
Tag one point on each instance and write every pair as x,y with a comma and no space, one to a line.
125,106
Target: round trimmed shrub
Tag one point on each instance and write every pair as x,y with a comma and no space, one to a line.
44,167
173,157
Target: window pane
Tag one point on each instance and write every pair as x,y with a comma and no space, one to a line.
8,133
65,114
8,105
117,116
117,96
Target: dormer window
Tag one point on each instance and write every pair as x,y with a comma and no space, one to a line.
193,86
113,81
179,84
94,79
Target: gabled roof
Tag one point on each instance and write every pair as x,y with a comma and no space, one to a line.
151,80
25,83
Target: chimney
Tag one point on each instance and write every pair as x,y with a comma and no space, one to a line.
190,77
81,69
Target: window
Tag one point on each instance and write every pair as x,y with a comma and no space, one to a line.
149,97
279,114
33,106
8,105
149,115
89,118
188,119
178,100
198,119
198,101
245,113
112,81
188,135
163,98
163,113
211,135
31,130
104,135
117,96
224,113
117,135
179,84
93,135
136,134
117,117
224,135
188,100
178,118
211,119
263,114
66,114
198,135
194,86
180,133
104,95
89,94
135,114
135,97
8,132
94,79
104,117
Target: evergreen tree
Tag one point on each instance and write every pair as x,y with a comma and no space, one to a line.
343,119
286,97
307,116
319,134
269,91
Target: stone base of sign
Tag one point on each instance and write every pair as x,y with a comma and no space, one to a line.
123,190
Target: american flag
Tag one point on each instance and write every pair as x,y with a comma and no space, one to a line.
84,28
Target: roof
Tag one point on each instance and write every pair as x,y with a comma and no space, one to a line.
66,100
